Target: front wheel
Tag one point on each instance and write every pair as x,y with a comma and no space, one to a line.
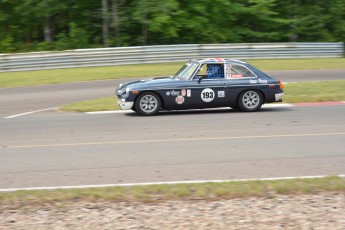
148,104
250,100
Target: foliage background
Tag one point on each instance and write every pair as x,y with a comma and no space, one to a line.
38,25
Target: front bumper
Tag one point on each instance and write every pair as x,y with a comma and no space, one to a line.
279,96
125,105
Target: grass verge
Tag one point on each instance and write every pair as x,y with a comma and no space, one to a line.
154,193
99,104
30,78
294,92
315,91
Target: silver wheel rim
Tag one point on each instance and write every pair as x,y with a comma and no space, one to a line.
148,103
251,99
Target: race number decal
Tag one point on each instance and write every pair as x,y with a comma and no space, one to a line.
207,95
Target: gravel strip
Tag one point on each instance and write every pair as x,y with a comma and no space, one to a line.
320,211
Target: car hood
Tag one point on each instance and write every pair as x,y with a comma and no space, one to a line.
149,83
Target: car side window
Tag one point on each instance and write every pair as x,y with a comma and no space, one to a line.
211,71
238,71
215,71
202,72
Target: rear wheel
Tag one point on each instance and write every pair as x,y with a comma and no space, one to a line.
148,104
250,100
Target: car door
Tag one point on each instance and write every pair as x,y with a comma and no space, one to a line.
207,89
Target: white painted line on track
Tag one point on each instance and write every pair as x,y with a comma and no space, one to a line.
31,112
110,111
169,140
163,183
277,105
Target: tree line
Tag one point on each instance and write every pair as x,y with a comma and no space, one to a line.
38,25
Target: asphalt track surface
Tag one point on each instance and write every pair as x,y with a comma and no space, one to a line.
49,148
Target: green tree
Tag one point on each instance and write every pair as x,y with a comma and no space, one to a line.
8,30
257,21
335,22
75,39
28,25
313,20
157,17
42,14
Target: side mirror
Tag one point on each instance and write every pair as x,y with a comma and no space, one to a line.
199,79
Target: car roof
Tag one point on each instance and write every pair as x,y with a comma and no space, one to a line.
218,61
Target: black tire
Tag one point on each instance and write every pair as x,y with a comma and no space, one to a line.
148,104
250,100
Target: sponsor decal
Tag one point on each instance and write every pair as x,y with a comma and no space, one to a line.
189,93
221,94
236,75
258,81
207,95
183,92
179,100
173,93
262,81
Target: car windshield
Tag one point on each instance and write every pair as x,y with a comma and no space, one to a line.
186,71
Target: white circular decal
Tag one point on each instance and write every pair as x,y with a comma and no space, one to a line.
207,95
179,100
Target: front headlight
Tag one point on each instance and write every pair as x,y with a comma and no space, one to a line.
118,91
125,93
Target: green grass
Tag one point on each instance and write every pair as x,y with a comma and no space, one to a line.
99,104
29,78
154,193
299,64
315,91
294,92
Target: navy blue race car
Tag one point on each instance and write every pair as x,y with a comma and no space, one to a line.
207,83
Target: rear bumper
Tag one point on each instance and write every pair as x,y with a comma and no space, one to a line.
125,105
279,96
